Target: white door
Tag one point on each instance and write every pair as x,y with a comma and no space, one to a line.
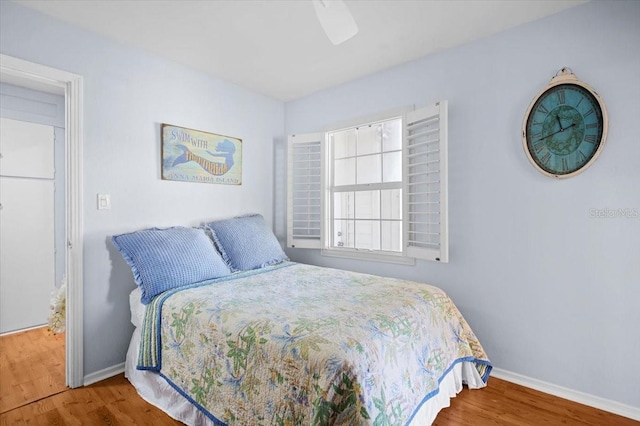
27,250
27,149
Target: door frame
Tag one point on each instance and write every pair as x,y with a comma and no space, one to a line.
72,84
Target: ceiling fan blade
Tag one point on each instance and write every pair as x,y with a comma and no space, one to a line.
336,20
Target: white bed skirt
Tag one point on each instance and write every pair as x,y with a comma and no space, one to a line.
156,390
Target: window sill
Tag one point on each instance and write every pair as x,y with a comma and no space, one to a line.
369,255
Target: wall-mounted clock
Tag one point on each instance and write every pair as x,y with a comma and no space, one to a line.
565,126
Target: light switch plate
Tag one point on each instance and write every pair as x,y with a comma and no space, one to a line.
104,202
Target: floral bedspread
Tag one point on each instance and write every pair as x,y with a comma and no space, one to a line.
297,344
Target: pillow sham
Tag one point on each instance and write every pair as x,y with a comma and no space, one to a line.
162,259
246,242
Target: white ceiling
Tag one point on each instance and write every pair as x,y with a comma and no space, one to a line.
279,49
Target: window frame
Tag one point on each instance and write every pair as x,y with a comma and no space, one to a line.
328,248
437,113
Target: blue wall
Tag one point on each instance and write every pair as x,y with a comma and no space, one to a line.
127,95
551,290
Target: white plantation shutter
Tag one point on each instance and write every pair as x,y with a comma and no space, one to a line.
305,190
425,183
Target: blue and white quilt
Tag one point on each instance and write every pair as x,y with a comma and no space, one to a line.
296,344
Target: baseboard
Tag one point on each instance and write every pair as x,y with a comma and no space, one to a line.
570,394
7,333
103,374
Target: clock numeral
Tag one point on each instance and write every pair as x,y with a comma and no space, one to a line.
590,138
581,157
538,145
546,158
537,123
588,113
579,102
592,126
543,109
561,96
564,166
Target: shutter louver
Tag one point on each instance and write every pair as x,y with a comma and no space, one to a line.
304,197
425,183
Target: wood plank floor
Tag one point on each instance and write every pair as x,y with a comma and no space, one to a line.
115,402
505,403
31,367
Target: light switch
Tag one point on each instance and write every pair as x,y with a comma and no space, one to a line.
104,202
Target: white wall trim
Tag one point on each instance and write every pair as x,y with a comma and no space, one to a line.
35,327
72,85
570,394
104,374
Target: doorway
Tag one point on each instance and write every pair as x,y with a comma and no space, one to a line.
32,245
23,73
32,200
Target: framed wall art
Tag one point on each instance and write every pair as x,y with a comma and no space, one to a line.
195,156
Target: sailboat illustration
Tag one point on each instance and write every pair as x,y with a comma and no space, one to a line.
224,149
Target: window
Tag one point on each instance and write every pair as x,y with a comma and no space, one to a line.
375,190
366,187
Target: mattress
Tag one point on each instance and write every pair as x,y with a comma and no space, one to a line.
163,392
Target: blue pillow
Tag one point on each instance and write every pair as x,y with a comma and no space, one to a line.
162,259
247,242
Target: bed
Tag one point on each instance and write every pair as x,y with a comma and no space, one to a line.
289,343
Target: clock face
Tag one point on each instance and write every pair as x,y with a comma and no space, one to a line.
564,129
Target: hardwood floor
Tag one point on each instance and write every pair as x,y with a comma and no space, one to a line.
505,403
109,402
32,367
115,402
